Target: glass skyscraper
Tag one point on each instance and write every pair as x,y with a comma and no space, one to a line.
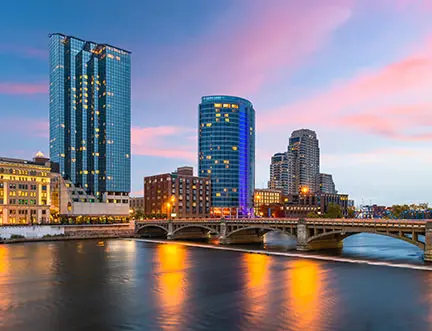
227,152
90,114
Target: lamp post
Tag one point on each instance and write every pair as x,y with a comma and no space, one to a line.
168,211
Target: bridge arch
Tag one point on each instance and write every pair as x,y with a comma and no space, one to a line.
145,228
195,226
263,229
343,234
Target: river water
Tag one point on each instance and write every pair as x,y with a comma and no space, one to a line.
137,285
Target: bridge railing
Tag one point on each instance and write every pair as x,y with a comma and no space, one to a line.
353,221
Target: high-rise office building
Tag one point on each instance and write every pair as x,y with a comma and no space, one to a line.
90,109
279,173
303,161
226,146
325,184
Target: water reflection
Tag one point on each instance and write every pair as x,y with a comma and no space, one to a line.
306,294
4,275
171,283
257,268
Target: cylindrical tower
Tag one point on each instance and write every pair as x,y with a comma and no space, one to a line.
226,152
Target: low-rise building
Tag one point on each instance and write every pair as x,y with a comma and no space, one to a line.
72,202
179,194
264,198
24,190
137,203
300,205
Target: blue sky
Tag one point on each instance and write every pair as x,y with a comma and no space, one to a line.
359,72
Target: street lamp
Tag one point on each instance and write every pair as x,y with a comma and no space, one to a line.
305,190
170,205
168,210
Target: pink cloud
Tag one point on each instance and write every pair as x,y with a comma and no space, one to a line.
250,44
139,193
23,88
165,141
376,155
29,126
393,101
24,51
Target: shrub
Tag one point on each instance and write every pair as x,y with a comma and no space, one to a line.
17,236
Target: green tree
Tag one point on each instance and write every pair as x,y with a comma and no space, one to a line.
397,210
351,213
312,214
333,211
138,214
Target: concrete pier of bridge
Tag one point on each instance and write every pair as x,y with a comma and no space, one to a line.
428,242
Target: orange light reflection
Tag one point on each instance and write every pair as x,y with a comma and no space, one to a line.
257,281
171,283
306,287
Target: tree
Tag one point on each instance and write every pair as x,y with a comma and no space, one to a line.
398,210
351,213
312,214
138,214
333,211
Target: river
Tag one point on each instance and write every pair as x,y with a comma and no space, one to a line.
136,285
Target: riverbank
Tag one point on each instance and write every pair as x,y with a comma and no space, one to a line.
65,238
22,234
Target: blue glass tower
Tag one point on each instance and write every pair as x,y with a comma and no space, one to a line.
90,114
226,147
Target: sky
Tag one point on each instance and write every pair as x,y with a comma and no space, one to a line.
358,72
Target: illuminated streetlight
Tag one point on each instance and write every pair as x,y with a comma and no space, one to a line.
305,189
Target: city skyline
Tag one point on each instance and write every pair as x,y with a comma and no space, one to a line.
374,134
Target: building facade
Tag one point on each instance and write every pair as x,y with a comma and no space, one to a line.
90,108
178,194
137,203
24,191
303,161
325,184
300,205
226,153
72,202
279,172
266,197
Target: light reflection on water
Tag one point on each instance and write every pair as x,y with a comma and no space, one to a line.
257,271
171,283
80,286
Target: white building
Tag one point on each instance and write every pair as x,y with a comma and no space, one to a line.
72,201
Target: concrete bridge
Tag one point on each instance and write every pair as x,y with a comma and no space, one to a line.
310,234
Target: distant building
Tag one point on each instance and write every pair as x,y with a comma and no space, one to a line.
178,193
24,190
325,184
137,203
226,146
266,197
300,205
303,161
325,199
279,172
90,115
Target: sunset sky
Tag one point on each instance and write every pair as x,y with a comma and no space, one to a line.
358,72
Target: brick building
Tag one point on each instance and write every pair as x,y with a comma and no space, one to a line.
179,193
